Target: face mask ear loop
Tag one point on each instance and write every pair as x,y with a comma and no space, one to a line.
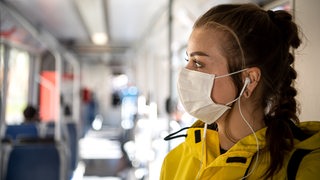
202,148
225,75
257,142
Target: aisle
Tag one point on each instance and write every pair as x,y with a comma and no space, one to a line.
101,155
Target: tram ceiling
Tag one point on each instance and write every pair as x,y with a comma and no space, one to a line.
117,24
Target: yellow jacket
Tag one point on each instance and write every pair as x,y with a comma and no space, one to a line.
183,162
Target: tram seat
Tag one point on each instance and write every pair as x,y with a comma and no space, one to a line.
50,129
70,134
73,143
15,132
5,148
34,161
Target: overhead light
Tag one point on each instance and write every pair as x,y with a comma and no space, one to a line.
99,38
94,17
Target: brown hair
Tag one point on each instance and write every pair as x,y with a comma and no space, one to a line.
258,38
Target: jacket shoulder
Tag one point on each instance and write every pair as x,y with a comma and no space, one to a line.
309,166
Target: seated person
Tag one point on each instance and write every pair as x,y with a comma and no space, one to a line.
31,114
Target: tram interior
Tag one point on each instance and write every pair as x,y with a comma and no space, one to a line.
101,75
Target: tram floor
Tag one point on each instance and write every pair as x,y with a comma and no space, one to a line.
106,167
102,156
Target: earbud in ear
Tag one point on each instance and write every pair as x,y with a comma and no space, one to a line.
247,81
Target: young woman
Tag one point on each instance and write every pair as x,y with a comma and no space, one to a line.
239,83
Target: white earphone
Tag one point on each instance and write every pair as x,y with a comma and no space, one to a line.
247,81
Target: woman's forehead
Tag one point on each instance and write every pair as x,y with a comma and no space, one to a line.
203,39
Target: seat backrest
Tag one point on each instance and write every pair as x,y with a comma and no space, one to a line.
21,131
73,143
50,129
70,135
36,161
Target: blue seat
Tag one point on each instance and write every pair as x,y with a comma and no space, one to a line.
35,161
73,144
70,134
21,131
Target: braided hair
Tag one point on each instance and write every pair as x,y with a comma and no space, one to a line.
264,39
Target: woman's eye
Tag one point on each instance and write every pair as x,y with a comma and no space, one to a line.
197,64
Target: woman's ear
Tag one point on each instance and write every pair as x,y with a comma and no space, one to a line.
254,75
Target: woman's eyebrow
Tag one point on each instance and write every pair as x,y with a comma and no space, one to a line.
197,53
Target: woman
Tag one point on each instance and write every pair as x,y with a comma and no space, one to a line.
239,83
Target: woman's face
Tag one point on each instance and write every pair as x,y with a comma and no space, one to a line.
205,55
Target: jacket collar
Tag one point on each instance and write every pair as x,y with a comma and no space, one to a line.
245,148
247,145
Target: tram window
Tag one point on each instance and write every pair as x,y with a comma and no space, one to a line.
17,94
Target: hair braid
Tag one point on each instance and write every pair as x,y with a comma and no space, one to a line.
284,110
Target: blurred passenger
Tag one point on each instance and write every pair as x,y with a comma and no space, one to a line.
89,109
31,114
32,118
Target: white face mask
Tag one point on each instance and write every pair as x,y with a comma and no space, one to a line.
194,89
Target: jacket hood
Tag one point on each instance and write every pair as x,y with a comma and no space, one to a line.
312,128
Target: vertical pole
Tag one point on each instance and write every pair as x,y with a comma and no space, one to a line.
35,85
170,54
58,61
293,9
76,86
4,90
31,81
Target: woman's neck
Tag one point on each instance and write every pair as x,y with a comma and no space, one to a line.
232,126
